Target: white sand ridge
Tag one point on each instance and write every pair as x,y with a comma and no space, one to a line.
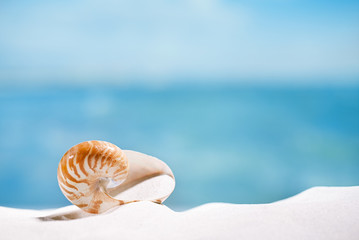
318,213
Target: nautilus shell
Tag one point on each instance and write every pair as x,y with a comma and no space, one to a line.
93,175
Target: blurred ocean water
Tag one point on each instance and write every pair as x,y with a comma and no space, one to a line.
233,144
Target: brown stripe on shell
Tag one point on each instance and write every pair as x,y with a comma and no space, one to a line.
81,151
82,205
73,167
104,159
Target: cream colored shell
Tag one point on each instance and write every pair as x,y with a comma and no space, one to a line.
85,171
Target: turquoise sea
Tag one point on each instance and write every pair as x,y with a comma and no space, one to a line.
237,144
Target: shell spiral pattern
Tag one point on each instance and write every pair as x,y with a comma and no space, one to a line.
86,169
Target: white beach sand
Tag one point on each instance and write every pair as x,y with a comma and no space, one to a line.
318,213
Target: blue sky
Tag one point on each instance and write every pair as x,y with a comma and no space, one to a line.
163,41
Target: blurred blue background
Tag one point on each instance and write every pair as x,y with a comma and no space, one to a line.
246,101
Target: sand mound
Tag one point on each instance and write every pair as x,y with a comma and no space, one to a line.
318,213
